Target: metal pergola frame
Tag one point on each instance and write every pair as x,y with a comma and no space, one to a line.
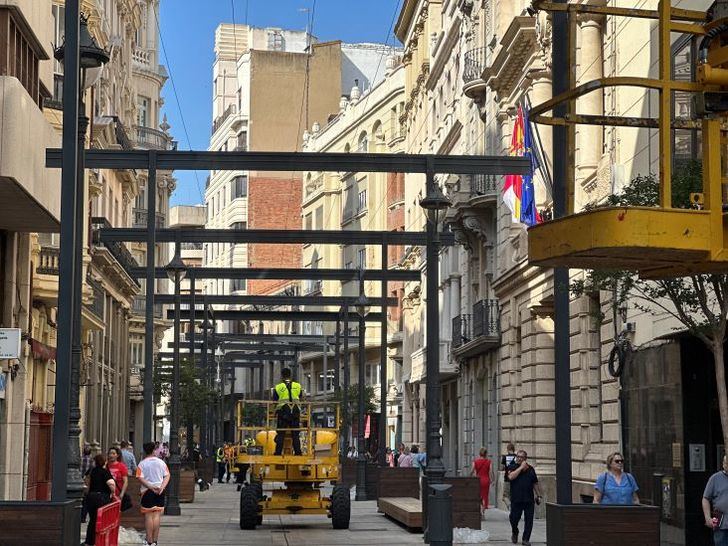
319,301
343,275
73,160
276,316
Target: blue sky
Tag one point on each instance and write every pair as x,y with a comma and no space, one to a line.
188,32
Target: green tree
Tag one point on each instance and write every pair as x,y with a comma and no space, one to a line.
370,399
698,302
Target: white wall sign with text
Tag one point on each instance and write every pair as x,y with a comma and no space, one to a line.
9,343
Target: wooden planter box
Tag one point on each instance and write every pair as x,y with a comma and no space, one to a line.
187,486
399,482
39,523
600,525
207,470
372,481
348,473
465,493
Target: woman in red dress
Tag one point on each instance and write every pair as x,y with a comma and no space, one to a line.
483,468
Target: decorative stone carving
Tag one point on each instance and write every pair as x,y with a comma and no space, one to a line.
543,37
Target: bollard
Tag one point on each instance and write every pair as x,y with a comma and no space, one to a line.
439,515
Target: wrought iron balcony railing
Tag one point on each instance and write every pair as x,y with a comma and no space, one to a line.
153,139
140,218
484,322
473,64
229,111
139,307
117,248
482,185
97,305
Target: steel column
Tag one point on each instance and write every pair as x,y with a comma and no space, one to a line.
67,305
383,367
346,428
193,364
361,461
74,487
173,508
206,381
337,360
326,370
561,58
435,469
149,298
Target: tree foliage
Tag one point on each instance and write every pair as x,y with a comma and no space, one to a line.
370,399
194,394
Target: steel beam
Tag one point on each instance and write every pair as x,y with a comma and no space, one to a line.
297,340
271,236
289,274
336,301
178,160
323,316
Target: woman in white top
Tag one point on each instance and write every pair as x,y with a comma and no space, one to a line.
153,475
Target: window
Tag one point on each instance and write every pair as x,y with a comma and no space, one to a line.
308,222
59,24
242,143
239,187
238,285
143,114
363,144
362,204
329,381
362,257
239,225
349,265
319,218
276,42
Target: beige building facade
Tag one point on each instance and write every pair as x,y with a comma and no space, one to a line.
108,378
366,123
469,66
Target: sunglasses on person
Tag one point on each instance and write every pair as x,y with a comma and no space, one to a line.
618,461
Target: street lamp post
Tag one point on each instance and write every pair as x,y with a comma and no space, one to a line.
435,204
219,355
361,461
347,381
176,271
91,58
205,327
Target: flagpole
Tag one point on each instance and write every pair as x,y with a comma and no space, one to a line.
541,154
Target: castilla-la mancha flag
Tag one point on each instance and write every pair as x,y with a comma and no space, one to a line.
513,186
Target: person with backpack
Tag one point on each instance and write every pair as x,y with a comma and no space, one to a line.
615,486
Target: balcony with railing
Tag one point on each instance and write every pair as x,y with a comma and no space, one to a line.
117,249
478,332
97,304
49,260
153,139
473,67
140,218
484,188
313,287
219,120
139,307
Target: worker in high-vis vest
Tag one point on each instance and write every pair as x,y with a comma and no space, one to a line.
221,464
288,411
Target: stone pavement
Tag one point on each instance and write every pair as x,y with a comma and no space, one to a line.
212,520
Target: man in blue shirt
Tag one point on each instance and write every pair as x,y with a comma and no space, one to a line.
127,455
715,498
524,483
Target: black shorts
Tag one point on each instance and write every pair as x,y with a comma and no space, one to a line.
151,502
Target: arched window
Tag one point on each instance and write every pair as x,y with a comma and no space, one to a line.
363,143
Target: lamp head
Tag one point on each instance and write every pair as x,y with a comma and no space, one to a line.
435,204
176,267
92,57
362,305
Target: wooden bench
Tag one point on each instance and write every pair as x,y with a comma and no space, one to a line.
406,510
398,482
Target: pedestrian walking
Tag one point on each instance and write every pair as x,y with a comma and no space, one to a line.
120,472
615,486
127,457
524,483
390,457
715,505
87,463
405,459
508,463
483,468
101,487
153,476
400,452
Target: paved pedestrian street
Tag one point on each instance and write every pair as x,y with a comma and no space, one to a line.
212,520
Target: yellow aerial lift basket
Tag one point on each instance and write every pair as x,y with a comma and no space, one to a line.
654,241
288,483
